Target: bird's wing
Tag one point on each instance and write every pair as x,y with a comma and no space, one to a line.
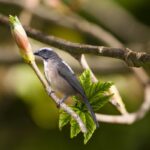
67,73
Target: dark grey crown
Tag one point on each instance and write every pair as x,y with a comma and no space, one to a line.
46,53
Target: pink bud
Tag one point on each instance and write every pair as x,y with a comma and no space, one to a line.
21,39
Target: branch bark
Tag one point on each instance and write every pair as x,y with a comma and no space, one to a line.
132,58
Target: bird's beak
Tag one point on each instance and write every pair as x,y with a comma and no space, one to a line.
36,53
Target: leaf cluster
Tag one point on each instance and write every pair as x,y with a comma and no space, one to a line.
97,94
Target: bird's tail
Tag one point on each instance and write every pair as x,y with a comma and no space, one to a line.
91,110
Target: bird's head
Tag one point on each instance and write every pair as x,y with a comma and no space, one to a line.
46,53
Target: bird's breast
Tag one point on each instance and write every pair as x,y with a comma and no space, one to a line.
57,81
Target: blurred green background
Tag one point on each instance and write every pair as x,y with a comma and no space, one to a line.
29,119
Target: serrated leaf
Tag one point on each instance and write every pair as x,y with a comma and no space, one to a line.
91,127
77,99
75,129
85,79
95,88
64,118
104,86
96,94
100,101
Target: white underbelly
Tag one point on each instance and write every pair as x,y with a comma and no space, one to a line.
61,85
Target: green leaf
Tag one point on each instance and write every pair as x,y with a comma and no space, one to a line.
95,92
104,86
96,88
100,101
91,127
75,129
64,118
85,79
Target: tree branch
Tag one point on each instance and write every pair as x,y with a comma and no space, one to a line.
132,58
72,21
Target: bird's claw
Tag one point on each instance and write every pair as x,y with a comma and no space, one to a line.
58,104
61,101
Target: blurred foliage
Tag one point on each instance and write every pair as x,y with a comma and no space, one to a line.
65,33
139,8
29,119
7,9
29,89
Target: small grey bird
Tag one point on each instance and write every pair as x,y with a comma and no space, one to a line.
62,78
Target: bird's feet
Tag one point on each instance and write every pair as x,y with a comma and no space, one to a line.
59,103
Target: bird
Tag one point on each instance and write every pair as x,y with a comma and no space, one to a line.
62,78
